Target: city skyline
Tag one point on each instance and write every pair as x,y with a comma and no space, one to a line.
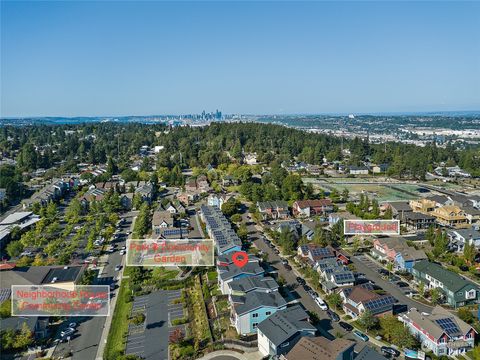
125,59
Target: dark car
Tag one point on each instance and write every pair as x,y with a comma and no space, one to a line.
389,350
345,326
333,315
288,267
300,281
306,287
402,284
382,271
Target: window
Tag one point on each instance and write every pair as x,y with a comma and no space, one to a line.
268,313
255,325
255,315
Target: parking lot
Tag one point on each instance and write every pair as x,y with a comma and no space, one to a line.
150,340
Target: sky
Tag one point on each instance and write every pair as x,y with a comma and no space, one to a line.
112,58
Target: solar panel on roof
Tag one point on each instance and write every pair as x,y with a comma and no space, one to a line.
448,325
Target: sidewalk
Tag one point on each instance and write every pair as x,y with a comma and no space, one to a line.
245,356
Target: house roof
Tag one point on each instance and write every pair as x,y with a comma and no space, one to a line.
318,348
313,203
160,217
441,199
369,353
439,322
449,279
37,275
255,300
360,294
231,271
400,206
253,283
284,324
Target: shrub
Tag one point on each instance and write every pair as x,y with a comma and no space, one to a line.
138,319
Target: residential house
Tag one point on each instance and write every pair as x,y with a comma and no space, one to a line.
451,216
358,170
417,220
250,158
146,192
220,230
279,333
92,194
161,220
227,259
459,200
273,209
381,168
313,253
368,353
245,285
399,208
423,205
441,332
293,226
308,230
217,200
334,274
38,325
202,184
191,185
460,237
456,290
397,251
320,348
307,208
252,308
358,299
473,215
229,273
335,217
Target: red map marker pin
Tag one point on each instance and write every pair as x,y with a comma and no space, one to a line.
240,258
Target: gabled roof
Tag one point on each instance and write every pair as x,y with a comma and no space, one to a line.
253,283
450,280
232,271
318,348
160,217
439,322
284,324
255,300
400,206
368,353
312,203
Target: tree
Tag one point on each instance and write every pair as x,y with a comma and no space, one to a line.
466,315
421,288
14,248
435,296
345,194
430,235
24,338
388,213
230,207
335,299
368,320
469,252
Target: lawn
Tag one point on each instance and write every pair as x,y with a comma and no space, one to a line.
212,275
200,326
119,326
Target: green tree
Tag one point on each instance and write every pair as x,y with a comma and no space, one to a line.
368,320
335,299
14,248
469,252
435,296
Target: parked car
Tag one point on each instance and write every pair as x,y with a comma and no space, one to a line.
402,284
288,267
118,267
345,326
284,262
332,315
122,252
67,332
390,351
300,280
321,304
361,335
382,271
72,325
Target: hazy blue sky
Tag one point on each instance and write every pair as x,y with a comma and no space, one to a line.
140,58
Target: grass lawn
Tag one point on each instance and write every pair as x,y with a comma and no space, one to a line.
200,326
212,275
119,326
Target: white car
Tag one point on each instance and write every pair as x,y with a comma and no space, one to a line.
67,332
122,252
323,306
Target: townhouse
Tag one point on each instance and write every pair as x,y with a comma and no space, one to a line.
307,208
279,333
440,332
399,209
456,290
334,274
161,220
245,285
424,205
359,298
396,250
273,209
417,220
220,230
358,170
229,273
146,192
312,253
217,200
22,220
252,308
